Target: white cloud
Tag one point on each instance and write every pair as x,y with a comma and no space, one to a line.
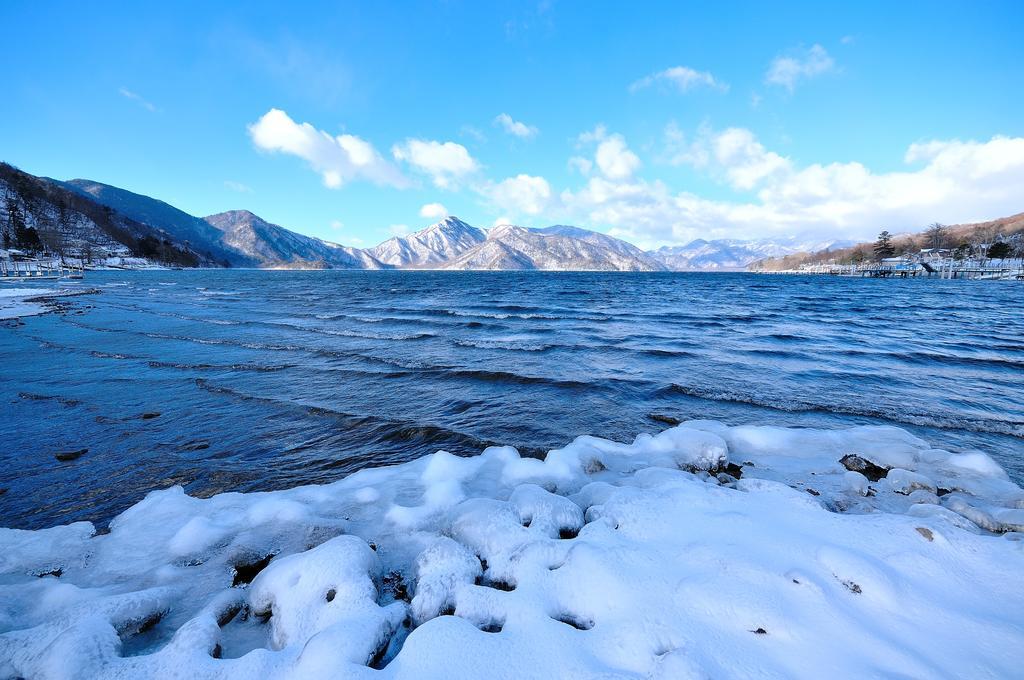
735,154
802,64
399,229
237,186
581,165
682,78
339,159
614,159
447,163
337,225
504,219
590,136
519,195
956,181
515,127
434,211
137,98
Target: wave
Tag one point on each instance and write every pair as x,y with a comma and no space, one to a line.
412,436
504,344
260,368
943,422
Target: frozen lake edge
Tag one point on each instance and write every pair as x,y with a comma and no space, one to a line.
603,560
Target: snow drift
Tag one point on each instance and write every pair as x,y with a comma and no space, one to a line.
703,551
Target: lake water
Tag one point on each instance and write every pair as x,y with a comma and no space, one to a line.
265,380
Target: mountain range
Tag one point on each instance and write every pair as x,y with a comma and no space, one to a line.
83,215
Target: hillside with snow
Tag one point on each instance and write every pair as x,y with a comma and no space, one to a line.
434,246
274,246
510,247
734,254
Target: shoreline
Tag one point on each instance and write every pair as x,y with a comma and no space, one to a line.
16,303
810,539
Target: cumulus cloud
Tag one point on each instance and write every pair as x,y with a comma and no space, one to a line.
447,163
682,78
520,195
948,181
787,70
614,159
434,211
339,159
515,127
734,153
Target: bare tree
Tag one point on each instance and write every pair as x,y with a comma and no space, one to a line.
936,235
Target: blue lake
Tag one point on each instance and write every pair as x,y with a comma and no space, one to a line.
263,380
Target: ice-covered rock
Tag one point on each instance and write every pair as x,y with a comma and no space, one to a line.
604,559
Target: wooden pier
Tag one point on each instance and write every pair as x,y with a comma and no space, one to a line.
908,269
48,269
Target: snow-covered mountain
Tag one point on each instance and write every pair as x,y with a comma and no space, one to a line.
555,248
42,214
85,214
177,224
735,254
430,247
274,246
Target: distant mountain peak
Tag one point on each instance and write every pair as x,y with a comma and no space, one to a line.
430,246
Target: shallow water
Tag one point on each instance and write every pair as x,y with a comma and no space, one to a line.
265,380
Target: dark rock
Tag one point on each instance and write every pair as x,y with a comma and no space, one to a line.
150,415
759,631
245,572
65,456
857,464
58,572
393,588
813,492
668,420
734,470
852,587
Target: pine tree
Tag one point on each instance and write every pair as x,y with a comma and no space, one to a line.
883,246
999,250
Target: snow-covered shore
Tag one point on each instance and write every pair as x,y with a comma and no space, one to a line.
704,551
19,302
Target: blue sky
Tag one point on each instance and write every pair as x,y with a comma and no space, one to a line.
660,123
